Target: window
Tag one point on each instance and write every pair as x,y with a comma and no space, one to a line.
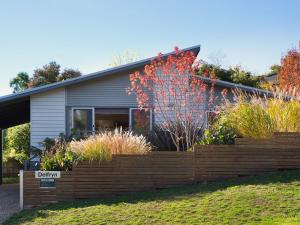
109,119
141,120
83,121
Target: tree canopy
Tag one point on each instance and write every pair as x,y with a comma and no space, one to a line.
289,75
49,73
20,82
234,74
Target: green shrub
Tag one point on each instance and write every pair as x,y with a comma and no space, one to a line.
101,147
57,155
17,143
218,133
58,161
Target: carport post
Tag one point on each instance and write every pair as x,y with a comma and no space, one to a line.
1,157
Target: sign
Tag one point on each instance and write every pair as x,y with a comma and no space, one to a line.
47,174
47,183
47,178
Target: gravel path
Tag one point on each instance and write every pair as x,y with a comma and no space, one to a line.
9,200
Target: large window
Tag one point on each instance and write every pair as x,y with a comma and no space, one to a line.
109,119
87,121
141,120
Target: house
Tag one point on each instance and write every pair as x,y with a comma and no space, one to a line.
86,103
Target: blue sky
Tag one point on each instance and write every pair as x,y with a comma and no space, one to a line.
85,35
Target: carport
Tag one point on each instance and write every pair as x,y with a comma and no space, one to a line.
14,110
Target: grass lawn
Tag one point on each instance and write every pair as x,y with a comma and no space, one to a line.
268,199
10,180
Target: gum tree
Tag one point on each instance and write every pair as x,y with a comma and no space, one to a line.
170,87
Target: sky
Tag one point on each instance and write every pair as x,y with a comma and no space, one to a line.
87,34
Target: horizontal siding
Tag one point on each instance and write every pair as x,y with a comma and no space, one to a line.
47,115
103,92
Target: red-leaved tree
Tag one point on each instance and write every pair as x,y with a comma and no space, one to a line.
289,75
170,87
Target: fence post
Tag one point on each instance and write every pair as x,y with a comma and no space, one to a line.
21,189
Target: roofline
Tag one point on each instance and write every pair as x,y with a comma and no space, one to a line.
103,73
245,88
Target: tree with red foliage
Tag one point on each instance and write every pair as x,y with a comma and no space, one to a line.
170,86
289,74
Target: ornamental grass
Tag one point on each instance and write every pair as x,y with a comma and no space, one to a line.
257,116
102,146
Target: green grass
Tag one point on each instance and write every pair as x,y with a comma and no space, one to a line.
268,199
10,180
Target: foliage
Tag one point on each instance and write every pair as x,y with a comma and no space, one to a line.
68,74
57,155
20,82
220,73
50,73
17,143
275,69
21,157
218,133
10,180
176,95
289,75
241,76
102,146
161,139
259,117
234,74
267,199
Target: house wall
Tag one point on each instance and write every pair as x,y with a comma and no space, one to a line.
47,115
104,92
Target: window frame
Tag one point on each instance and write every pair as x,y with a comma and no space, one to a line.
130,117
93,116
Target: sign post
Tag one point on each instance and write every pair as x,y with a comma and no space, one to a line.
21,189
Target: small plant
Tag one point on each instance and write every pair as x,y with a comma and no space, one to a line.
218,133
102,146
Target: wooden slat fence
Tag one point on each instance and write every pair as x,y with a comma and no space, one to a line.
133,173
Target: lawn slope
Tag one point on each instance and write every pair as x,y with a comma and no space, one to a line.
267,199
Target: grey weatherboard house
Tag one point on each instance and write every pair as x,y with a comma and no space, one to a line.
85,103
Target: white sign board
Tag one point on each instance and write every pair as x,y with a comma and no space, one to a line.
47,174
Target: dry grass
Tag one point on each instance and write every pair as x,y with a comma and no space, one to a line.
101,147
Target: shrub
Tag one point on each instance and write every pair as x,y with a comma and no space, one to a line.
57,155
17,143
102,146
259,117
218,133
161,139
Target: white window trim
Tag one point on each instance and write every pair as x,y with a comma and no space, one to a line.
130,117
93,116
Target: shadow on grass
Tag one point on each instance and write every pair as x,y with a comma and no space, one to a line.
169,194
